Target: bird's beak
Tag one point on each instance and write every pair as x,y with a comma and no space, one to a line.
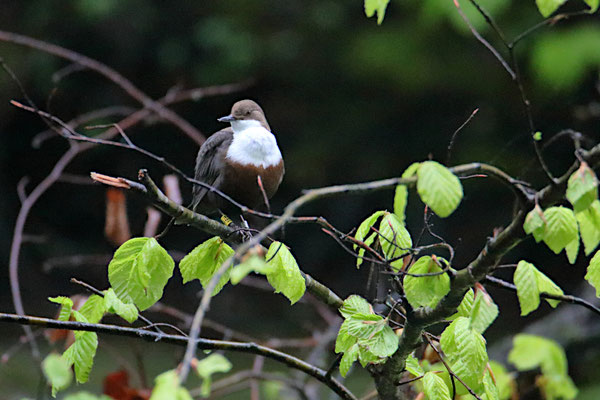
228,118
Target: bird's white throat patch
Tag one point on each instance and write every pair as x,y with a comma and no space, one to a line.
253,145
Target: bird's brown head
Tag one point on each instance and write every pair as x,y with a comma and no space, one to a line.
246,110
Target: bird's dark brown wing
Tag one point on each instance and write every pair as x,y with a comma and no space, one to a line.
209,163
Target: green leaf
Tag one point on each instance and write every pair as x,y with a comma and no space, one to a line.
589,226
465,350
582,188
348,359
572,250
384,343
344,341
531,352
364,234
439,188
490,389
537,136
412,365
546,285
114,305
58,372
465,306
93,309
66,307
139,271
254,264
561,228
400,200
361,252
394,239
371,6
535,223
366,357
504,381
547,7
425,291
207,367
286,276
593,4
81,353
355,304
363,326
435,388
593,273
202,263
526,281
483,313
168,387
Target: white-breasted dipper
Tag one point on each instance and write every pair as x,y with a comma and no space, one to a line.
233,158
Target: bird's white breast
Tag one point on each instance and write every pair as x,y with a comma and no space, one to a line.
253,145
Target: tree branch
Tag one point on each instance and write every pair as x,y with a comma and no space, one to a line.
205,344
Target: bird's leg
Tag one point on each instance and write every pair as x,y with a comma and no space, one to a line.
225,219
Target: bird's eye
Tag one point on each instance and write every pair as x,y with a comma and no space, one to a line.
248,112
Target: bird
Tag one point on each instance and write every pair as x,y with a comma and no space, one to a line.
233,159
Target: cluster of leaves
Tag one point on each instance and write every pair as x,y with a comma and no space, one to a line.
364,335
138,273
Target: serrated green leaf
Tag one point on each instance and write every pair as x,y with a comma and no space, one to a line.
254,264
286,276
81,353
58,372
593,4
546,285
355,304
435,388
364,234
365,357
490,389
379,6
439,188
363,326
394,239
547,7
412,365
561,228
365,227
465,306
114,305
215,363
344,341
526,281
384,343
593,273
589,226
483,313
535,223
93,309
139,271
466,351
348,359
425,291
400,200
202,263
572,250
582,188
66,307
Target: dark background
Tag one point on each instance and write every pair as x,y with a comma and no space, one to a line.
349,101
